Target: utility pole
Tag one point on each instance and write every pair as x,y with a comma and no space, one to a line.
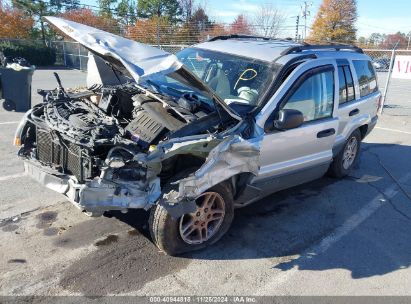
296,28
305,14
387,83
158,25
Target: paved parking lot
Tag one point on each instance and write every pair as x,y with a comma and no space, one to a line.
328,237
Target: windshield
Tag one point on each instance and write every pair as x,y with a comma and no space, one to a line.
233,78
238,81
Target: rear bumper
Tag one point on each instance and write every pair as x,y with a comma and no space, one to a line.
94,196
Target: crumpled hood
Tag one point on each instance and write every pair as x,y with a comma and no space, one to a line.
130,57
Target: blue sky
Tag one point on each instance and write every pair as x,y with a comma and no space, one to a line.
374,15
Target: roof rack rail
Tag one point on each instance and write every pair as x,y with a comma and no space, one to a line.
239,36
337,47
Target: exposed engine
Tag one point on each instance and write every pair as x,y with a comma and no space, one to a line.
82,133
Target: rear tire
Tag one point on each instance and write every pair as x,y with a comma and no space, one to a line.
347,157
167,232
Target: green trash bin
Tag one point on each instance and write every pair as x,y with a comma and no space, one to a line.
15,88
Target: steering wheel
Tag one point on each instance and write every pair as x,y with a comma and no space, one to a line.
245,77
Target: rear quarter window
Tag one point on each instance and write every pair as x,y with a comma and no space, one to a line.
366,77
347,92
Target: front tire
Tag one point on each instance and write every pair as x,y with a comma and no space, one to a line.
197,230
347,157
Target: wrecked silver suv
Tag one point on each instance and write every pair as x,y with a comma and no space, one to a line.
192,136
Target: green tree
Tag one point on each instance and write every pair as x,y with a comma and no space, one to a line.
122,10
375,39
191,30
200,19
36,10
58,5
132,12
335,21
160,8
186,9
126,12
362,41
105,7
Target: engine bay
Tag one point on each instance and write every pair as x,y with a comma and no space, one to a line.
81,132
145,130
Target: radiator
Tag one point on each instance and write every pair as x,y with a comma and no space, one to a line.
66,157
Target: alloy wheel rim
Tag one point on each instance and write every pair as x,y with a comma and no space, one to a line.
201,225
350,152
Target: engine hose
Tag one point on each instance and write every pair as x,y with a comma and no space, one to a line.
118,148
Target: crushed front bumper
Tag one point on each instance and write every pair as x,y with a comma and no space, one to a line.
98,195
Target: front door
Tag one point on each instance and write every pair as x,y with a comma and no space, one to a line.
295,156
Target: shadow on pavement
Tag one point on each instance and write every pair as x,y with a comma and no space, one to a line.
287,224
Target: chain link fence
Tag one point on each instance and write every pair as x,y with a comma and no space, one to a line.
73,55
398,93
70,54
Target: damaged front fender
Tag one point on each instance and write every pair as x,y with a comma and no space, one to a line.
234,155
225,158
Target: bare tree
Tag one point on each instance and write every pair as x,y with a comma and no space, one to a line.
268,20
187,8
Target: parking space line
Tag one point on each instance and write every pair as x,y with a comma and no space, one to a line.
9,122
7,177
393,130
349,225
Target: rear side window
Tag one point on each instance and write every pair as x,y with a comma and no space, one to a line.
366,77
347,92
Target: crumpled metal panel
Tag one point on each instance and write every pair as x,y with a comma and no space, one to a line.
98,195
232,156
104,195
52,182
137,59
225,158
227,155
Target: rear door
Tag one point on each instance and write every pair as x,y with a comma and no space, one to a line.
358,96
298,155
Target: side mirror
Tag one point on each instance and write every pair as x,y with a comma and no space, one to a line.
289,119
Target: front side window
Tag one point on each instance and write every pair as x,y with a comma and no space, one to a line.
314,97
366,77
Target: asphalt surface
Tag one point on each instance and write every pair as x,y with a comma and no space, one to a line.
397,102
327,237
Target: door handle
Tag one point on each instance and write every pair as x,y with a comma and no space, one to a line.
326,133
354,112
